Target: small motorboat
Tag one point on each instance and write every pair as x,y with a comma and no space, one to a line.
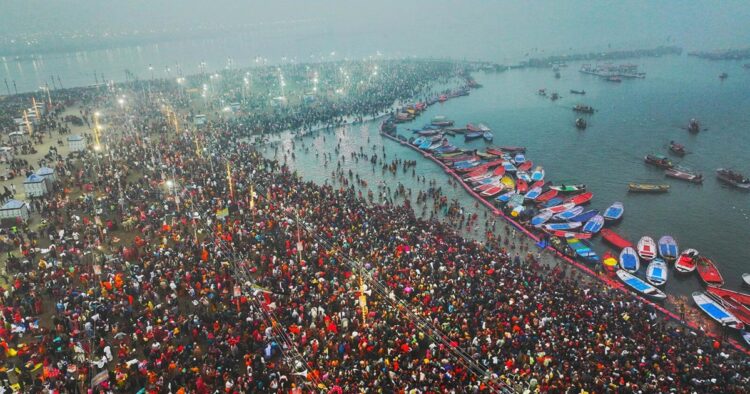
581,124
488,136
694,126
647,248
569,188
562,226
472,135
733,178
560,208
686,262
568,214
533,193
658,161
441,121
583,250
584,217
647,188
519,159
742,298
523,176
640,286
668,249
629,260
585,109
546,196
522,186
684,174
708,272
573,91
541,218
614,212
615,239
715,311
723,76
594,225
580,199
538,174
677,149
656,272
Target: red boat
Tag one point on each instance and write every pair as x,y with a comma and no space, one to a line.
442,98
513,149
499,171
708,272
731,304
522,186
615,239
539,184
580,199
525,166
546,196
742,298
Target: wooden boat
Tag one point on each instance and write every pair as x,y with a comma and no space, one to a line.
580,199
473,135
629,260
584,216
647,188
441,121
538,174
504,198
488,136
519,159
640,286
492,191
615,239
594,225
569,188
647,248
677,149
656,272
585,109
562,226
694,126
659,161
522,186
742,298
541,218
513,149
570,213
573,91
715,311
746,279
609,262
533,193
583,250
708,272
733,178
525,166
736,308
508,182
498,171
668,249
560,208
684,174
687,261
614,212
546,196
509,167
553,202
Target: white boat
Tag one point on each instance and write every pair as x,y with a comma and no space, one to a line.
541,218
656,272
629,260
717,312
686,263
746,279
640,286
647,248
572,212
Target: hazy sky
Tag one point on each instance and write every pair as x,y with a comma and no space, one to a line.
458,28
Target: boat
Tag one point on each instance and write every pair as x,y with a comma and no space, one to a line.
541,218
570,213
441,121
609,262
647,188
731,304
742,298
687,261
569,188
583,109
708,272
629,260
684,174
508,182
694,126
583,250
677,149
658,160
584,216
515,201
492,191
560,208
668,248
553,202
537,174
594,225
519,159
533,193
656,272
481,127
745,335
647,248
570,234
522,186
613,78
615,239
525,166
509,167
715,311
513,149
487,135
580,199
746,279
640,286
733,178
523,176
581,123
562,226
723,76
504,198
472,135
554,96
546,196
614,212
573,91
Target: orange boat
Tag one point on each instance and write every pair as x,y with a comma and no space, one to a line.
708,272
580,199
615,239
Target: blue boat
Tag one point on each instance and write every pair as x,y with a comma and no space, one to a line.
594,224
509,167
583,250
629,260
466,163
487,135
668,248
562,226
656,272
614,212
585,216
519,158
538,174
523,175
425,144
418,141
533,193
541,218
553,202
640,286
505,197
716,311
572,212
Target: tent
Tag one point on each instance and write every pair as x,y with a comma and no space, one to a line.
14,209
35,186
6,154
76,143
47,173
18,137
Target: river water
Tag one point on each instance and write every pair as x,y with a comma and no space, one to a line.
633,118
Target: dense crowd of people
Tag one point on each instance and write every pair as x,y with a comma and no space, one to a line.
189,263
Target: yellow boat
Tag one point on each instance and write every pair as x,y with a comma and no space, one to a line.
647,188
508,182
